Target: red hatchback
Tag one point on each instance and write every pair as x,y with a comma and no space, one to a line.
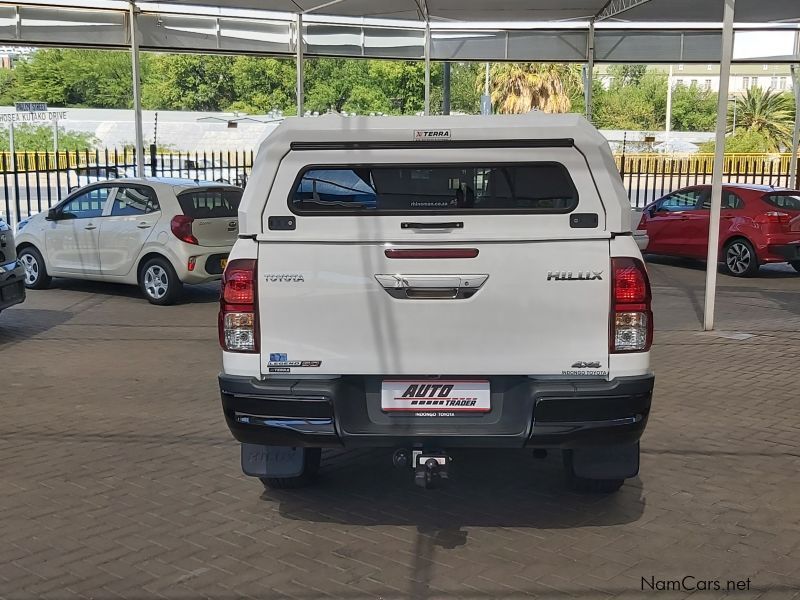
760,224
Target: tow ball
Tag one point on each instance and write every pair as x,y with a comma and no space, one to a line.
429,465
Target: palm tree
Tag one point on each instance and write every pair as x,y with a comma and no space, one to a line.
767,112
522,87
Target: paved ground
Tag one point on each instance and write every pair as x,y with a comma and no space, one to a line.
118,477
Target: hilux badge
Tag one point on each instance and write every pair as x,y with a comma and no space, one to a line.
574,276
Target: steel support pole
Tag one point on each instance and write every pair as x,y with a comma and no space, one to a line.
668,120
299,60
796,134
14,205
427,68
137,91
589,79
719,162
446,88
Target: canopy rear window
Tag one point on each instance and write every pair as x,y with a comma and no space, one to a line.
210,203
540,187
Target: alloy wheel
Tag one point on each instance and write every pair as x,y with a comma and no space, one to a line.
738,258
156,282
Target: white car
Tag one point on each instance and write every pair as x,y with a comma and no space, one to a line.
424,283
157,233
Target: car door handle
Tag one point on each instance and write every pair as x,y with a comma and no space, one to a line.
144,225
90,227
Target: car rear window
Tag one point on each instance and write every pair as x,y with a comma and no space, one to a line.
784,200
541,187
203,204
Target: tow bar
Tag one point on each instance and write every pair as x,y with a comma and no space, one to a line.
429,465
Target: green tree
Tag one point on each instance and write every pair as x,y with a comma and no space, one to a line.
521,87
641,106
29,137
465,97
189,82
693,108
743,141
767,112
623,75
94,78
7,84
261,84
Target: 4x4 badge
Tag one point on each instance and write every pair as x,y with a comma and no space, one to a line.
586,365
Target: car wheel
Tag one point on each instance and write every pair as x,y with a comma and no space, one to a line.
36,277
159,282
795,265
312,460
740,258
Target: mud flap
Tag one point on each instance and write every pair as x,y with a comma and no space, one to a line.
272,461
606,462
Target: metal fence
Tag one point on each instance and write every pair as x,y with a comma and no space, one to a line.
647,177
36,181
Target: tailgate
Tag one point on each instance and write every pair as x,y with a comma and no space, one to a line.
532,308
214,213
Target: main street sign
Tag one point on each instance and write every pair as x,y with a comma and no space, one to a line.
30,106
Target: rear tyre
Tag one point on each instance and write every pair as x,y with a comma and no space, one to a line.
36,277
311,463
740,258
795,265
159,282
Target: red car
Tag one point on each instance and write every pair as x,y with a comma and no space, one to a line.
760,224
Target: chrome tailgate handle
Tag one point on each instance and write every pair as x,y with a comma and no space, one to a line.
431,287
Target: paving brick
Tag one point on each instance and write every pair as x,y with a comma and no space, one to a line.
118,478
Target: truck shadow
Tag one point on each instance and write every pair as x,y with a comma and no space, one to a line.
488,488
18,324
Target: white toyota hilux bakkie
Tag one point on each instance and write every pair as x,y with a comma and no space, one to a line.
430,283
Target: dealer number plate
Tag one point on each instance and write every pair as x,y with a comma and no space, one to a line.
435,397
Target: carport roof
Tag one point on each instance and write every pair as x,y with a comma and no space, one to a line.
641,11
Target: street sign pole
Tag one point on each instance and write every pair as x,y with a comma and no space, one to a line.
14,217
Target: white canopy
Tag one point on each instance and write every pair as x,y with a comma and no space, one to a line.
642,11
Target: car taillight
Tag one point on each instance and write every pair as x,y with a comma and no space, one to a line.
631,327
238,314
772,216
181,226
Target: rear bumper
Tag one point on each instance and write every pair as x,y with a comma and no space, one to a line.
783,252
525,412
207,263
12,284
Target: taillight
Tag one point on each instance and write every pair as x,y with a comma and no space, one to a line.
772,216
631,327
181,226
238,314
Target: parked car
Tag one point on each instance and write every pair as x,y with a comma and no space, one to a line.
157,233
12,273
424,283
759,224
